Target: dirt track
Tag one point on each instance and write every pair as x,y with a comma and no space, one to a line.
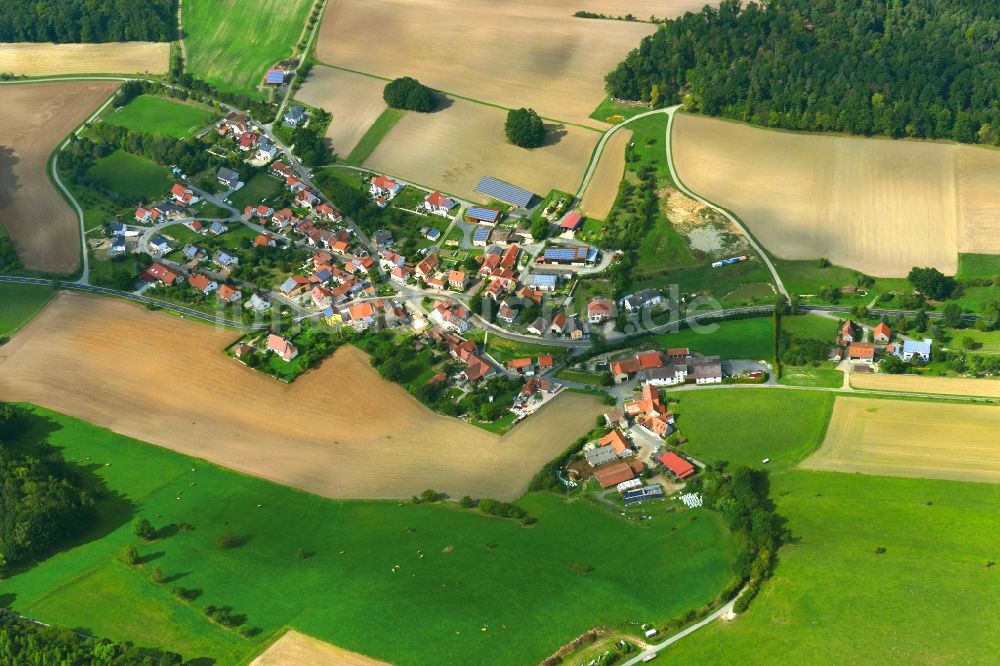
909,438
339,431
295,649
37,116
355,102
452,148
108,58
876,205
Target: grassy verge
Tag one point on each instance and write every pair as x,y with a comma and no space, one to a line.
476,583
20,303
369,142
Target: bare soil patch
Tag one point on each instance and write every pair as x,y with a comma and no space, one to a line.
295,649
354,100
339,431
46,59
909,438
987,388
37,117
600,194
453,148
504,52
876,205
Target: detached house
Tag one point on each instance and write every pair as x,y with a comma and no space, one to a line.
451,317
282,348
229,294
600,310
203,284
160,273
382,186
329,213
457,280
426,267
641,299
439,204
227,177
882,334
183,195
847,332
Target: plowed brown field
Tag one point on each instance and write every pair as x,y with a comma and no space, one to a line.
338,431
295,649
876,205
354,100
36,118
909,438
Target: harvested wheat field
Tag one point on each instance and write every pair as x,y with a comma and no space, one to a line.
45,59
602,189
354,100
452,148
505,52
876,205
986,388
909,438
295,649
37,117
374,441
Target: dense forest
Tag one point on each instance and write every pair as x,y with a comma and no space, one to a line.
41,502
918,68
25,643
71,21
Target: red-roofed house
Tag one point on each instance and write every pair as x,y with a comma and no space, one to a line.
382,186
400,274
284,349
572,222
847,332
611,475
439,204
143,214
182,194
229,294
203,284
456,280
426,267
862,352
600,310
616,439
882,334
545,362
678,466
329,213
161,273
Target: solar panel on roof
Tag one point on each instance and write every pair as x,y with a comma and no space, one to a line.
481,234
504,191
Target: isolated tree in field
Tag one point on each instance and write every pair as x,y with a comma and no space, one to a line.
931,282
524,128
129,555
143,529
409,94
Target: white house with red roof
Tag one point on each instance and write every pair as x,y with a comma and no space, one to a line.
143,215
400,274
183,195
282,348
329,213
229,294
600,310
384,186
203,284
451,316
439,204
426,267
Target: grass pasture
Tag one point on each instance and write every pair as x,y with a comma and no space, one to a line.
132,175
978,265
37,117
738,425
821,377
452,148
848,199
926,594
158,115
735,338
478,583
353,100
231,43
19,303
46,59
910,438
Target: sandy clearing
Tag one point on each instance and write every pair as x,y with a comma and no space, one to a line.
354,100
46,59
909,438
339,431
37,116
452,148
600,195
295,649
505,52
987,388
876,205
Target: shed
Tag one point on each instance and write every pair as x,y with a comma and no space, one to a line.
504,191
482,215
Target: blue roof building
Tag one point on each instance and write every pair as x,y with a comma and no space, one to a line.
504,191
918,348
275,76
543,282
570,255
481,235
482,215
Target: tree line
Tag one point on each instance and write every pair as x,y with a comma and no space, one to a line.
73,21
921,68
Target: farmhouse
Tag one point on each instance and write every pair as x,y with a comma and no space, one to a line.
480,215
616,440
227,177
439,204
282,348
639,300
677,466
521,366
846,333
601,455
624,369
611,475
861,352
704,369
911,349
669,375
451,317
600,310
882,334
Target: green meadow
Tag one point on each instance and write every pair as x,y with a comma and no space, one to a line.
132,175
410,584
19,303
733,338
157,115
231,43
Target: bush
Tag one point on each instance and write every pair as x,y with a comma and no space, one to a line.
228,540
409,94
466,502
143,529
502,509
129,555
524,128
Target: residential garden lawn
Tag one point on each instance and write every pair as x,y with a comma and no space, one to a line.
158,115
231,43
806,277
209,211
978,265
740,425
734,338
132,176
610,108
370,140
261,186
812,327
503,349
822,377
927,594
456,570
19,303
580,377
